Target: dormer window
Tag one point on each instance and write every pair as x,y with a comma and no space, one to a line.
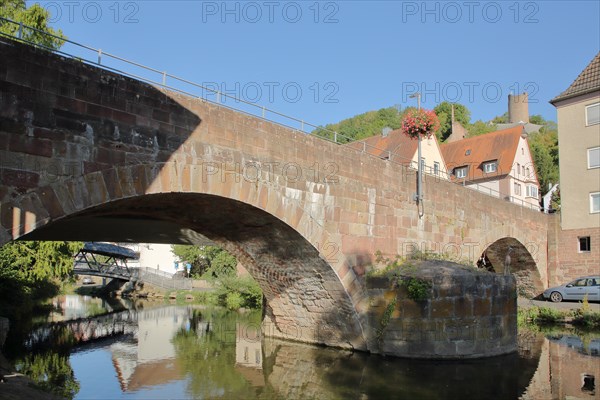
490,166
460,172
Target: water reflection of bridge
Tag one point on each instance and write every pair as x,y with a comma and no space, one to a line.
542,369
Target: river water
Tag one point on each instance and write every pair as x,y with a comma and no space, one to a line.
89,348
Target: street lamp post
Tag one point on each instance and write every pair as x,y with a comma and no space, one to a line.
418,197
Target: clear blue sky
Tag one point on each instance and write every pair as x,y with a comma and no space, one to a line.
348,57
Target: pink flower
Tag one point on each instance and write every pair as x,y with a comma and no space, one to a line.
420,122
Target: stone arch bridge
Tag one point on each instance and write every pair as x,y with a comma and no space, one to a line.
87,154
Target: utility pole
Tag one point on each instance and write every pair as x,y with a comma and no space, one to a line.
418,197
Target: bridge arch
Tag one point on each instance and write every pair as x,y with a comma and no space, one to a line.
277,241
522,264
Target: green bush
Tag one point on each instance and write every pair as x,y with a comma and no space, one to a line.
234,301
246,287
418,289
208,297
548,315
584,317
588,320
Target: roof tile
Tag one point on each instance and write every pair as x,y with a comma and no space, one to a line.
587,81
473,152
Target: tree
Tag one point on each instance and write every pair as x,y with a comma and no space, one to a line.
34,17
444,113
480,128
363,125
208,261
37,261
544,150
33,270
501,119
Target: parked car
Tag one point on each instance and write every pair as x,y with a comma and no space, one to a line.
87,281
576,290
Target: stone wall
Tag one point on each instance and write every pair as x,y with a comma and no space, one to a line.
568,263
468,314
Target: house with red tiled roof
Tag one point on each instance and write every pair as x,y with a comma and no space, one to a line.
400,148
498,163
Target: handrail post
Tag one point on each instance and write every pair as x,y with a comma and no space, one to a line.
99,56
302,126
334,137
364,147
20,34
263,111
164,80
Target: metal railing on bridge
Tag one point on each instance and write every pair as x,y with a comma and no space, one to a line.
110,261
162,279
174,83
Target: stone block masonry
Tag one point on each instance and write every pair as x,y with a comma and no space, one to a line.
468,314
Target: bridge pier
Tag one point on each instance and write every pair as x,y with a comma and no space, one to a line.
467,314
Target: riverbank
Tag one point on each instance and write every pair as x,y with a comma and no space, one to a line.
583,316
15,386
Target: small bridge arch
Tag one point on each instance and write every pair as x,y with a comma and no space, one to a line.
522,263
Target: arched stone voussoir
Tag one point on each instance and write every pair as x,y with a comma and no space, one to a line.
306,299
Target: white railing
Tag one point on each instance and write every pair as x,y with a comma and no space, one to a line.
171,82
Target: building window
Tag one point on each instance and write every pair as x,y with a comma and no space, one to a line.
518,168
594,157
517,189
460,172
595,202
584,244
490,167
523,151
592,114
532,191
436,168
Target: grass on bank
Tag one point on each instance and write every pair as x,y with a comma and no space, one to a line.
582,317
231,292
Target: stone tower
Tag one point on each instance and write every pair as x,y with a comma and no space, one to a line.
518,108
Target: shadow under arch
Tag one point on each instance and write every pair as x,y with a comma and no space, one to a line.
522,264
305,299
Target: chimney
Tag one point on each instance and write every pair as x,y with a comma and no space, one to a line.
518,108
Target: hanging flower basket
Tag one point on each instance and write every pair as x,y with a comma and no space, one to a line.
420,123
